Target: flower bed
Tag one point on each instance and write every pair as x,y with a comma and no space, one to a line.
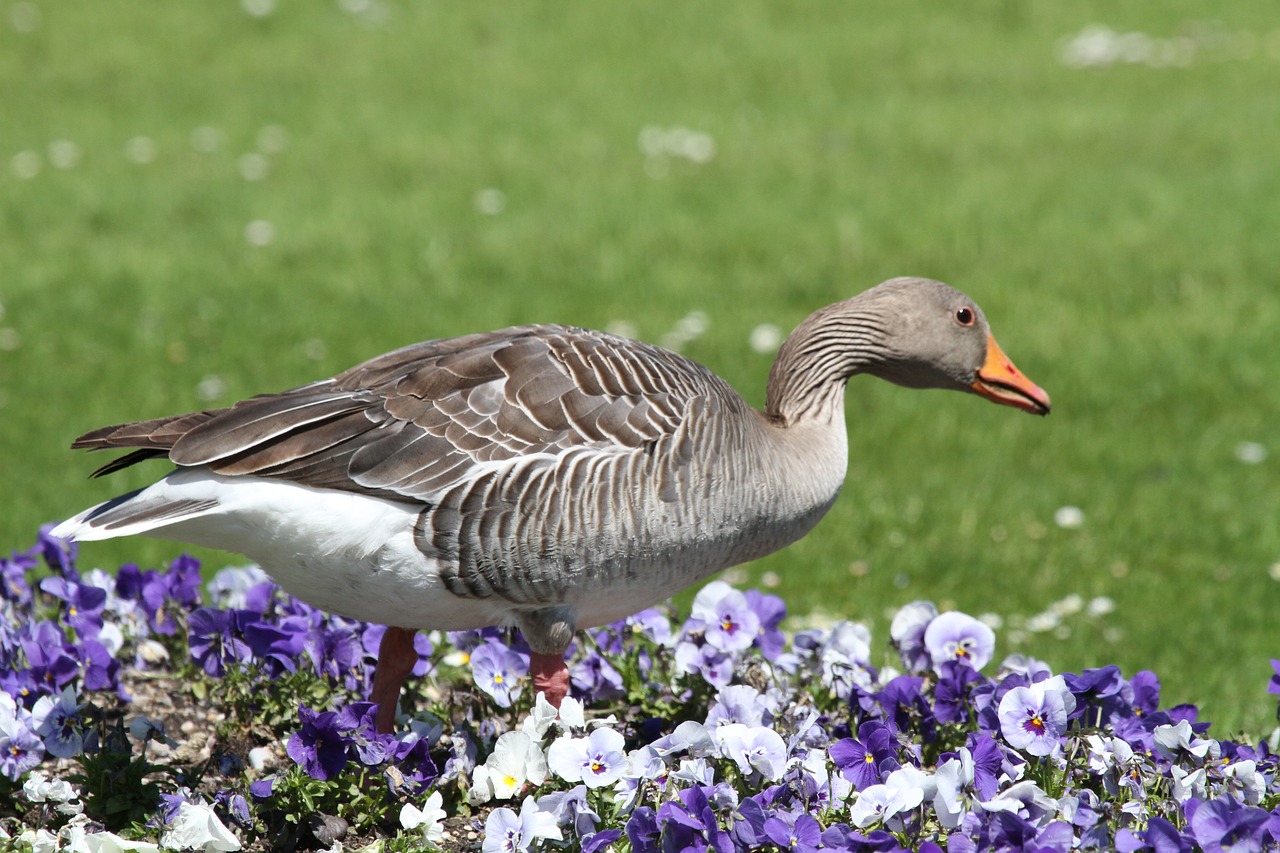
140,710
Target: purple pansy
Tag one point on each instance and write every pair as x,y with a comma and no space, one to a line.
13,577
21,749
498,670
319,746
507,832
595,679
1223,825
906,633
1102,696
1034,718
690,822
794,833
728,622
216,638
596,760
868,758
955,636
56,719
770,610
82,604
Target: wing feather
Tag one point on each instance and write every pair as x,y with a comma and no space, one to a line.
415,421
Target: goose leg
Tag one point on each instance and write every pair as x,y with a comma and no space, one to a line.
549,632
550,676
396,659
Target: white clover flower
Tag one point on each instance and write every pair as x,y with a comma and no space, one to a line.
26,165
1069,517
64,154
1100,605
1251,452
1068,605
260,232
766,338
141,150
490,201
197,827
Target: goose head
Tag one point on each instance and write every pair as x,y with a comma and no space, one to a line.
934,336
914,332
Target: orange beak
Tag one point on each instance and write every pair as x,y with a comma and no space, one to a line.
1000,382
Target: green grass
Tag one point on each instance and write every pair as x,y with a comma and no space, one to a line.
1117,224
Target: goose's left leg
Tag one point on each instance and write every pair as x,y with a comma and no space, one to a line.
396,659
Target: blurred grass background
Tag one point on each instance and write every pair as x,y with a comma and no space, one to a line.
203,202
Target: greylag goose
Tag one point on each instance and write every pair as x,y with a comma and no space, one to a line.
540,476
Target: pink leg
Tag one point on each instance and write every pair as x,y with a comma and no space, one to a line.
396,659
550,676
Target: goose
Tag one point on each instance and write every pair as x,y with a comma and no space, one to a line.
541,476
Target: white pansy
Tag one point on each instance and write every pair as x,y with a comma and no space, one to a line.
517,759
540,717
39,788
197,827
430,818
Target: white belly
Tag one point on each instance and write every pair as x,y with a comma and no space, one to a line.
349,554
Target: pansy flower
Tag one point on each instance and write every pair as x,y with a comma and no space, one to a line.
56,719
1034,718
796,833
429,819
217,638
82,604
955,636
498,670
516,760
868,758
728,622
596,760
507,832
319,746
21,749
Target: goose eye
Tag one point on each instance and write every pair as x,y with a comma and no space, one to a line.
965,316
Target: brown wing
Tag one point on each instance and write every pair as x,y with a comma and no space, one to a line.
415,421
